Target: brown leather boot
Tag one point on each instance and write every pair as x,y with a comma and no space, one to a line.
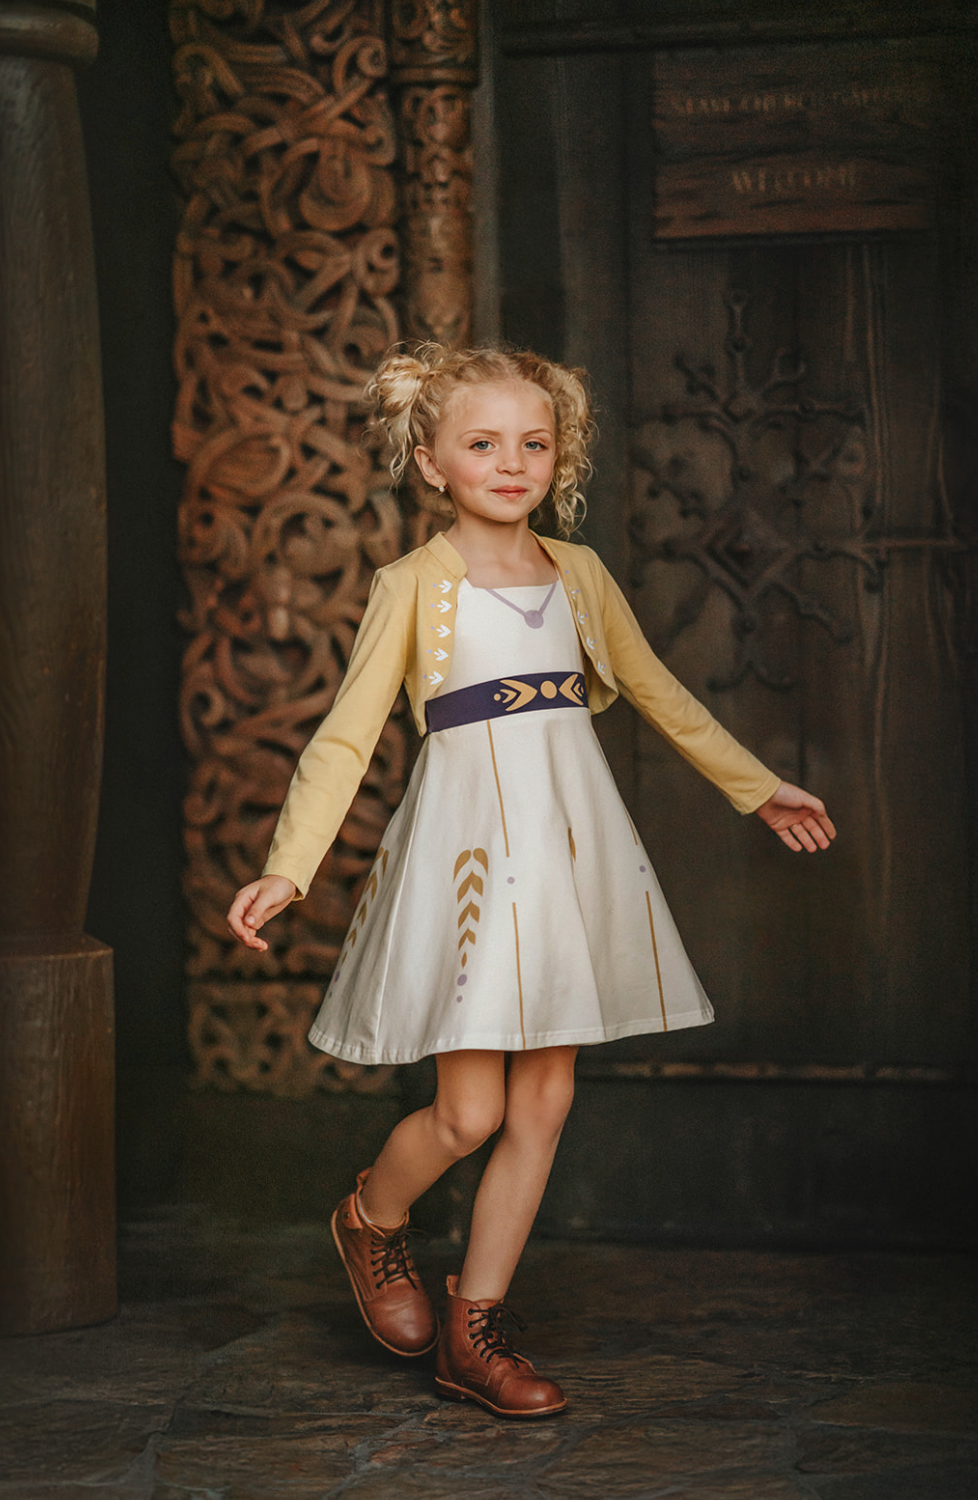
475,1362
385,1281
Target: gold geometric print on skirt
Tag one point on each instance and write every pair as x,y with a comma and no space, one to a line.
360,915
470,885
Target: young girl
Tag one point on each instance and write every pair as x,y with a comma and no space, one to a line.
512,914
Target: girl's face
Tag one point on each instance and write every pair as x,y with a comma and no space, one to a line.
494,450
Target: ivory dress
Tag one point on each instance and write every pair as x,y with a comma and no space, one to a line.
511,904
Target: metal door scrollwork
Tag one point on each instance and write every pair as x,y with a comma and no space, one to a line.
779,501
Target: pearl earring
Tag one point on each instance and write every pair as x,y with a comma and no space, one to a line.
441,489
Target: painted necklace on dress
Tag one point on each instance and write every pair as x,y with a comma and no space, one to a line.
533,617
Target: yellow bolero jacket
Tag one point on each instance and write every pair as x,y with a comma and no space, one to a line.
407,634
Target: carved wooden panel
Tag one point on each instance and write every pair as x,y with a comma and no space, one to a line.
433,62
765,479
745,460
286,262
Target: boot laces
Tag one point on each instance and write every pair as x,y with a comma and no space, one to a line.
391,1258
488,1339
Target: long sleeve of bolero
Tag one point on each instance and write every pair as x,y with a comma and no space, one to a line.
336,758
671,709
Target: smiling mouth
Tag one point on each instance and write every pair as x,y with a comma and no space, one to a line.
510,493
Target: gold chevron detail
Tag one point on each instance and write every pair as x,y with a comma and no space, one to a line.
370,890
516,694
470,884
571,688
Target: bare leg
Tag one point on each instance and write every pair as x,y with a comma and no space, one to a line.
539,1092
467,1109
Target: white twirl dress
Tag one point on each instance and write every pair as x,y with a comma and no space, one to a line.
511,904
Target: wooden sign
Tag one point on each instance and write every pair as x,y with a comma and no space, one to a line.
793,140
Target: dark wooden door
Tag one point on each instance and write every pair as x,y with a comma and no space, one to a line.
775,492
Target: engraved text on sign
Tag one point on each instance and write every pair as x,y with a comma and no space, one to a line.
794,140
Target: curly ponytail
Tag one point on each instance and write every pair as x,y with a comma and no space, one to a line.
394,392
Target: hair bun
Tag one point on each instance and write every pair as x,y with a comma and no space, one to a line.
397,384
394,392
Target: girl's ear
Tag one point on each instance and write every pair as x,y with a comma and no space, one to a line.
430,471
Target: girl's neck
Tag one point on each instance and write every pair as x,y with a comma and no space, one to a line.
499,556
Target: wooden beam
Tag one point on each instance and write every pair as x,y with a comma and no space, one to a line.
57,1200
702,26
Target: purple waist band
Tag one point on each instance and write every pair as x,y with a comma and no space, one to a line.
504,696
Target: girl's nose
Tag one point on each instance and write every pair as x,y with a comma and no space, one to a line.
511,460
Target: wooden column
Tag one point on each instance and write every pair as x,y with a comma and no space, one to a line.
57,1208
433,49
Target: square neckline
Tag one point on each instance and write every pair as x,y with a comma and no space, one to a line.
510,588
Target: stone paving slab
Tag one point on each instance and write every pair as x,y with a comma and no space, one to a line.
238,1369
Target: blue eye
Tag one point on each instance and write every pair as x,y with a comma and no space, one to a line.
481,445
537,444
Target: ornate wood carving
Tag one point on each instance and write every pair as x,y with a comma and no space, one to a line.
285,265
433,63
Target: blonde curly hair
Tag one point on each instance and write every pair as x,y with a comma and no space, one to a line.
409,393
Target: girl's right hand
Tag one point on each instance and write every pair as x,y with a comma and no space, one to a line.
256,904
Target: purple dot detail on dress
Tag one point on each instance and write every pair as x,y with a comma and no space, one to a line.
642,868
510,879
462,979
458,999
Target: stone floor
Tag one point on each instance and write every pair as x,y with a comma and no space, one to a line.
237,1370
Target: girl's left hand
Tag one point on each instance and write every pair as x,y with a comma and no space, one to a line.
798,818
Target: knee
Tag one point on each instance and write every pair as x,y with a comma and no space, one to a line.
463,1127
555,1099
542,1104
